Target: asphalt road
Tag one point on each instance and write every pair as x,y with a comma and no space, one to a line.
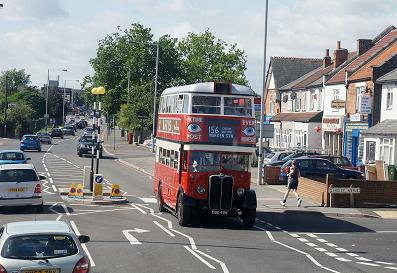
136,238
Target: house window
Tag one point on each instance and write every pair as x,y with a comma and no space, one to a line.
304,102
286,138
313,101
319,101
386,150
277,137
298,102
359,94
389,99
298,138
335,94
271,111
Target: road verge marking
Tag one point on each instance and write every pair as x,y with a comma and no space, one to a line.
199,257
74,227
164,229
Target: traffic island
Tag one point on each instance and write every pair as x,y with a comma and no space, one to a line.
86,197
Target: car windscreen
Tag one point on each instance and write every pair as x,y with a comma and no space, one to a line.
43,246
269,155
30,138
11,156
86,139
18,175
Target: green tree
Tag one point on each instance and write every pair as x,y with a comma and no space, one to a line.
17,80
34,99
206,58
20,118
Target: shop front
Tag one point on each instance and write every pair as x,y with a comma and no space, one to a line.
332,142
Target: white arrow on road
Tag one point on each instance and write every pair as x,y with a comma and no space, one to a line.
132,239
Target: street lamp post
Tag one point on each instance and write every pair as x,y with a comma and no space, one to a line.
157,45
100,92
46,97
94,92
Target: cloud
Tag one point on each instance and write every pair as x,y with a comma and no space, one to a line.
22,10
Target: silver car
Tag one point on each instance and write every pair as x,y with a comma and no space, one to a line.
42,247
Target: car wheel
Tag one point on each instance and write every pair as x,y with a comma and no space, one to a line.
39,150
61,137
248,217
79,154
183,212
160,204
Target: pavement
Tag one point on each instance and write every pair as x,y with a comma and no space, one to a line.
142,159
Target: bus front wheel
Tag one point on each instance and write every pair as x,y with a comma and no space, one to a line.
248,217
183,212
160,203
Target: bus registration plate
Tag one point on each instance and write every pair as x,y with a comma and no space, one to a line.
219,212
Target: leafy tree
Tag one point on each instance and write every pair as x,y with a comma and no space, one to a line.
34,99
55,105
17,80
206,58
20,118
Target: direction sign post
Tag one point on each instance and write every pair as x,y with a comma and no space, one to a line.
98,186
343,190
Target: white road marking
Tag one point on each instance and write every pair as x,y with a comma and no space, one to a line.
352,254
74,227
54,188
46,169
199,257
51,180
191,240
223,265
390,267
322,240
331,244
341,249
312,244
59,217
343,259
294,235
312,235
310,257
363,259
131,238
138,208
321,249
303,240
164,229
370,264
379,262
331,254
148,200
66,209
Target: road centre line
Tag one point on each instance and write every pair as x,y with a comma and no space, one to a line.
370,264
164,229
312,244
74,227
54,188
390,267
321,249
331,254
312,235
310,257
51,180
199,257
343,259
303,240
322,240
363,259
379,262
223,265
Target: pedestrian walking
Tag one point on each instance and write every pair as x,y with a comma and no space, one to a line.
293,181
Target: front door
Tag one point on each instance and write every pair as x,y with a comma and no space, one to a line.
355,144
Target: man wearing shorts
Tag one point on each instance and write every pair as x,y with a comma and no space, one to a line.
293,180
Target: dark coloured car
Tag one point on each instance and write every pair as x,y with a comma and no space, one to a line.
84,146
68,130
44,137
340,161
30,142
57,132
88,130
318,168
291,156
13,157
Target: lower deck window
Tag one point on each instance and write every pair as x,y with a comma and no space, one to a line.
217,161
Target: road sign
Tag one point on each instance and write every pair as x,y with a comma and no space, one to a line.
343,190
98,187
98,178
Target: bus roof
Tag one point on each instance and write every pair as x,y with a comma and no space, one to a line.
209,87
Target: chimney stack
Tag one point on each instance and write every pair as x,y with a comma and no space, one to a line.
326,59
363,45
340,55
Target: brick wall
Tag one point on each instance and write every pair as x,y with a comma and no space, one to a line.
373,193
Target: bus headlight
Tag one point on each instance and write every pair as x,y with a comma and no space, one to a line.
240,191
200,189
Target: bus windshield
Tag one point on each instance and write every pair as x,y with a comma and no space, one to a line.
217,161
206,105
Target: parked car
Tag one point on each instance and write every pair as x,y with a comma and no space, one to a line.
20,186
88,130
318,168
30,142
42,246
13,157
84,146
57,132
340,161
275,156
68,130
44,137
291,156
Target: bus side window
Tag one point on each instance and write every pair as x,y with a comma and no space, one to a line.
185,104
184,161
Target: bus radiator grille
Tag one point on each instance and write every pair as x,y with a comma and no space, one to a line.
220,192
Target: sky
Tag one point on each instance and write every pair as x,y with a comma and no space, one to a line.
37,35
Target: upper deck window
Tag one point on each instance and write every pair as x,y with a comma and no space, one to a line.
206,105
238,106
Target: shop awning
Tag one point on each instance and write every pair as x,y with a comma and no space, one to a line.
387,127
299,117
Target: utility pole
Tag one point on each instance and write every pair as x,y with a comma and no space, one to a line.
63,108
155,95
128,88
260,161
5,106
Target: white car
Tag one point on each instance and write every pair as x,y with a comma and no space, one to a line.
20,185
42,247
275,156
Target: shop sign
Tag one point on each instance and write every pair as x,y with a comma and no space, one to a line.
331,123
338,104
355,117
366,105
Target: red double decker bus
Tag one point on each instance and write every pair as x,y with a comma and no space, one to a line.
205,139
